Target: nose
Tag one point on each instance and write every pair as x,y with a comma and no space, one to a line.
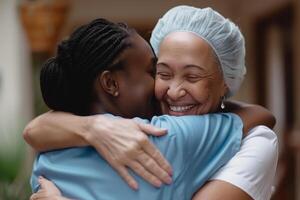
176,91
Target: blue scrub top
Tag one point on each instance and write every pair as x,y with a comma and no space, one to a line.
195,146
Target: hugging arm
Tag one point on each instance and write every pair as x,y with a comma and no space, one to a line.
251,115
111,137
121,142
55,130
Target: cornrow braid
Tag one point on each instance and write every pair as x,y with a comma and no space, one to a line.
66,80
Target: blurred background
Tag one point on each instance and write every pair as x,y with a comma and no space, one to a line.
30,30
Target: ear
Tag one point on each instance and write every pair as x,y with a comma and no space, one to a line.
109,83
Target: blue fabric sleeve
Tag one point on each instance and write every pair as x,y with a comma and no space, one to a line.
203,144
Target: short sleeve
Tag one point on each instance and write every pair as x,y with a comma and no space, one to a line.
204,143
253,168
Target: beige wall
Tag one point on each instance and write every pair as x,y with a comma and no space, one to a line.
135,11
15,70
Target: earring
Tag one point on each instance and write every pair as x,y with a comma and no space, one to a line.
222,103
116,93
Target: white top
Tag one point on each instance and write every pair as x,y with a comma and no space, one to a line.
253,168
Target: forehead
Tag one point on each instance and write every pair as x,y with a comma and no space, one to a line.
185,48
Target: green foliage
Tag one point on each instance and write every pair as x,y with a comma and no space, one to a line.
10,163
14,181
17,191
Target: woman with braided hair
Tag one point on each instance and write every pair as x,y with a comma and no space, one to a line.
90,50
115,89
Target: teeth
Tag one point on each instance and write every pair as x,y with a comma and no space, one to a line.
180,108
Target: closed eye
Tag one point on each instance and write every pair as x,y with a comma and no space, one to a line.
163,75
193,78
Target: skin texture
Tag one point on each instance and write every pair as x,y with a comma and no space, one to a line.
188,79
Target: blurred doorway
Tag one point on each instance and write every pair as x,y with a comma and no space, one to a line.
274,67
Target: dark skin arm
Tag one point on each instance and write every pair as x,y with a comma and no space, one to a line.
251,115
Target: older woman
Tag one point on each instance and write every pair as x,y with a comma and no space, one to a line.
200,61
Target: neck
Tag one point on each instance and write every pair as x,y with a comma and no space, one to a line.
96,108
104,107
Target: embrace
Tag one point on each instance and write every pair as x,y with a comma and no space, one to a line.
133,120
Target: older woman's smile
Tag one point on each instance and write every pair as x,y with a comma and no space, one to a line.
180,108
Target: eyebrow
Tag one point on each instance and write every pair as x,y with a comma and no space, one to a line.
194,66
163,64
186,66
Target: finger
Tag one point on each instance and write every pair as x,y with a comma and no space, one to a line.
158,157
121,169
44,183
141,171
49,186
152,130
38,196
149,164
34,196
127,177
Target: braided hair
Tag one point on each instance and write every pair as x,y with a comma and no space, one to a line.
66,80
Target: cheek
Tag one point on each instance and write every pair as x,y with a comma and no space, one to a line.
208,93
145,87
138,88
140,97
161,88
199,91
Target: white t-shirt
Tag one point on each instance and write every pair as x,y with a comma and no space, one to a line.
253,168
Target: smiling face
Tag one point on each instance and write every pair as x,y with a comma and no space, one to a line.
188,78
